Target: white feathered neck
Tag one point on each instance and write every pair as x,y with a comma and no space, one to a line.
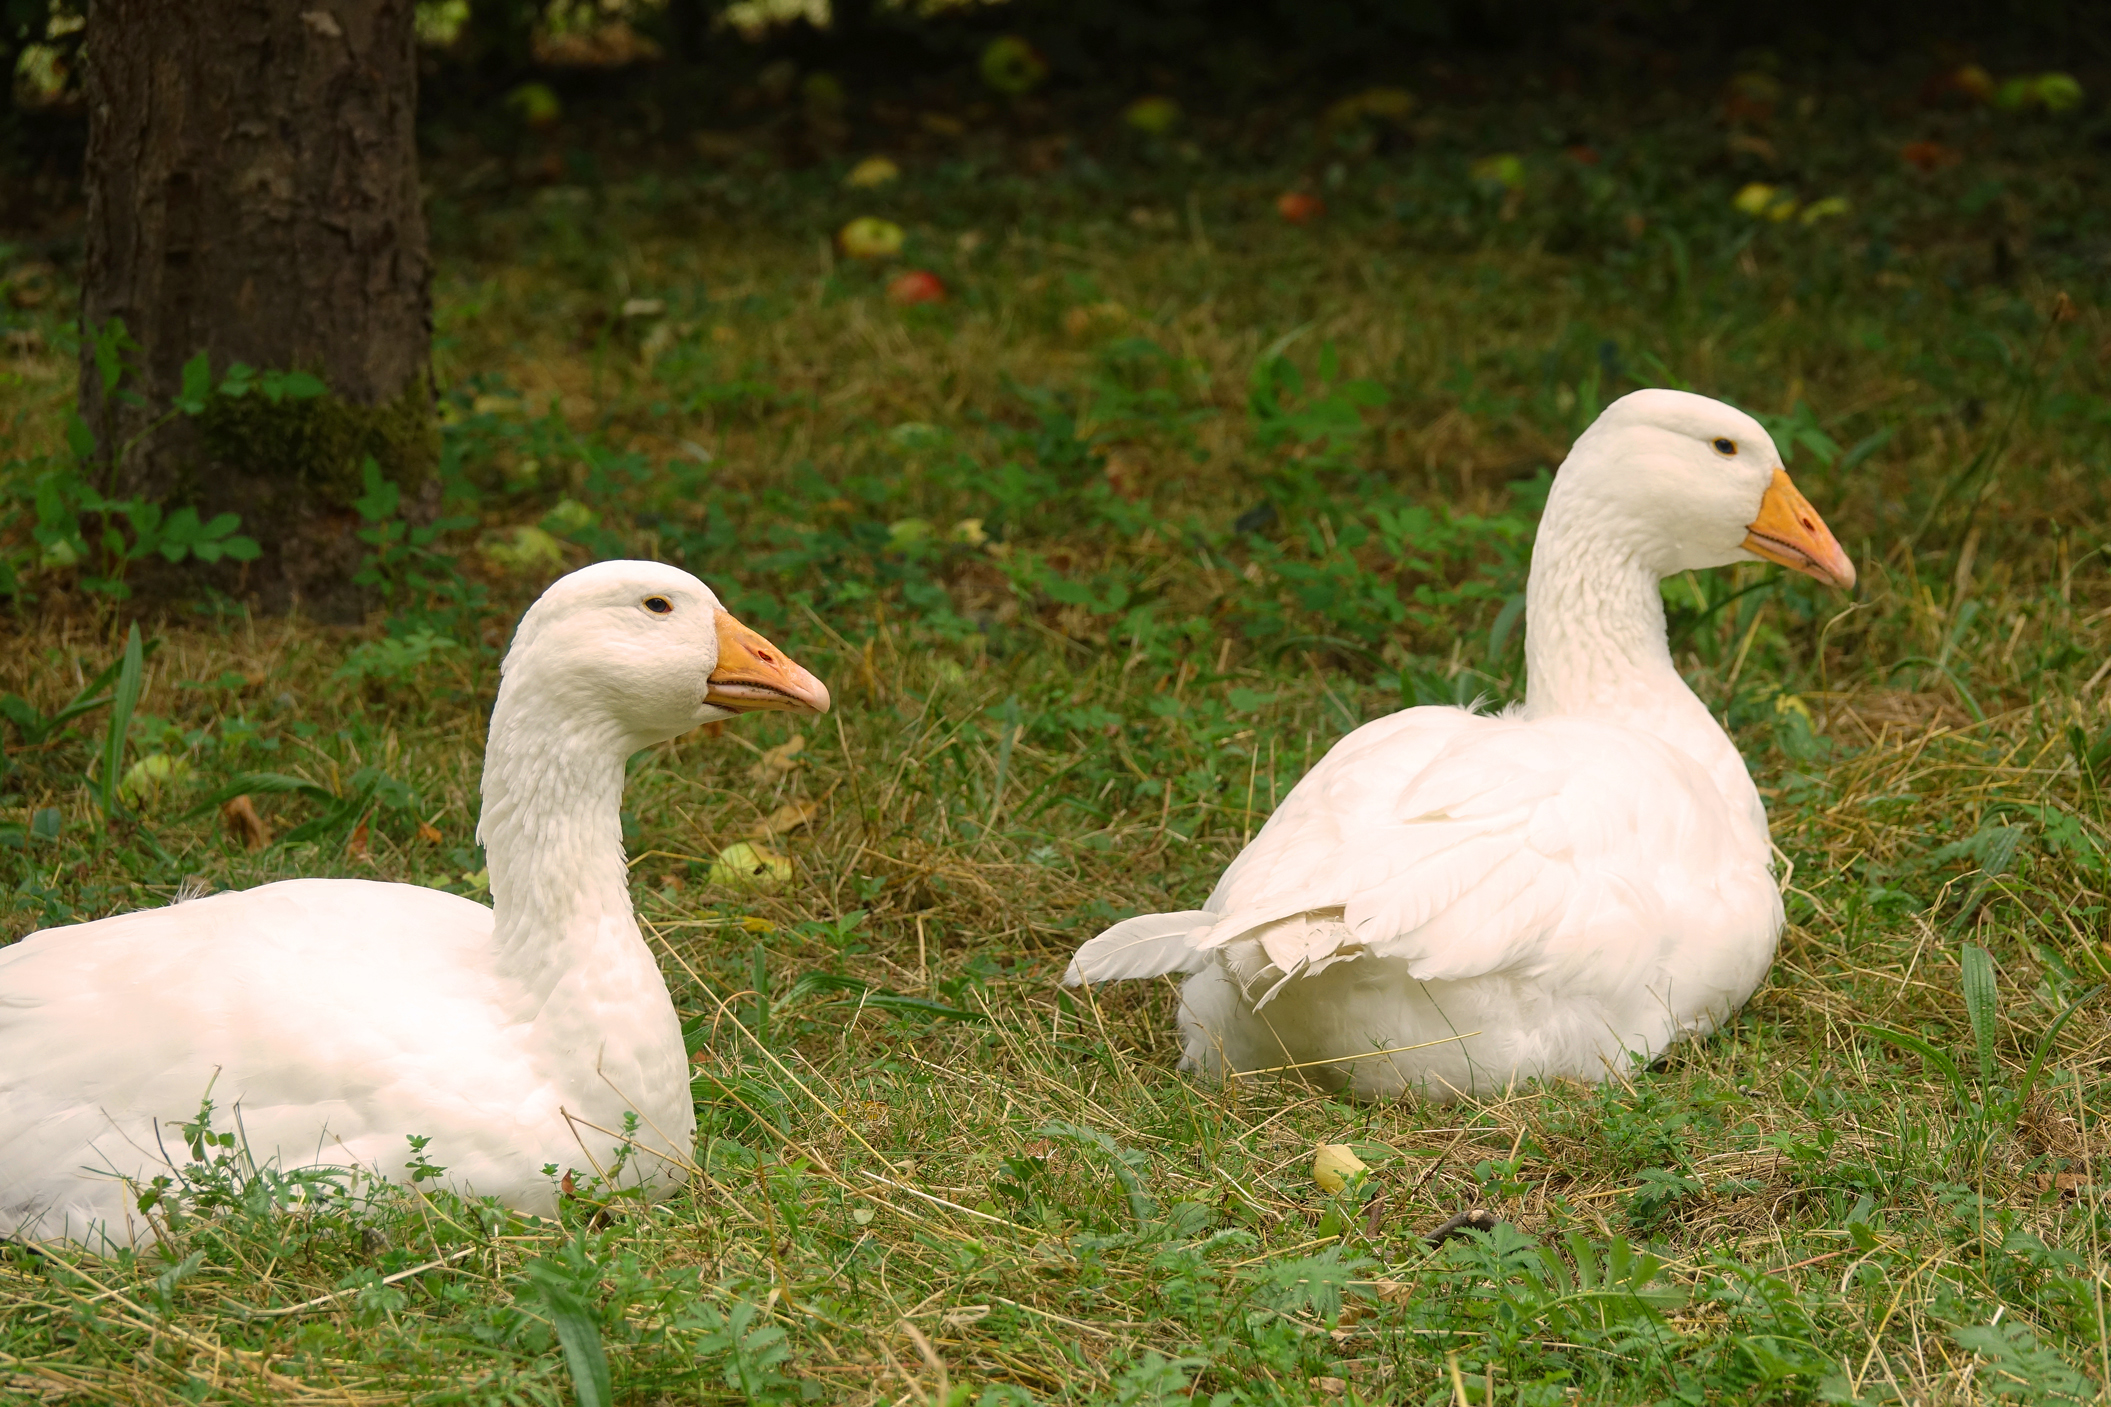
1595,640
552,835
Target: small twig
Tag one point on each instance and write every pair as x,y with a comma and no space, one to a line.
1342,1059
940,1201
1472,1219
247,1312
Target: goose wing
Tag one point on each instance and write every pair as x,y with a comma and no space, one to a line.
1462,844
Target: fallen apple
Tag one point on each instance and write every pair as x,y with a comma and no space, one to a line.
869,237
1765,202
1012,66
1503,171
916,286
536,105
1300,207
745,866
1152,116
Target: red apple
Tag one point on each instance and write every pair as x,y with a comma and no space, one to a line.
916,286
1300,207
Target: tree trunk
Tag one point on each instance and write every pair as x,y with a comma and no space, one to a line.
252,186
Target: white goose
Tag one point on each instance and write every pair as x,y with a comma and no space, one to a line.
334,1018
1546,892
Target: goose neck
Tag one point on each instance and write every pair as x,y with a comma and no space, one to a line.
1595,640
552,834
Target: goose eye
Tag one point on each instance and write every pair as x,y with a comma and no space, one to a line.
658,605
1725,447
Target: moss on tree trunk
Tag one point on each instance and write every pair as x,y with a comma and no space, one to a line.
253,195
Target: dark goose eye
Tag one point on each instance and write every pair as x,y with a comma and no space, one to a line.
1725,447
658,605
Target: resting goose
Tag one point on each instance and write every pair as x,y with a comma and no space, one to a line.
1452,901
332,1019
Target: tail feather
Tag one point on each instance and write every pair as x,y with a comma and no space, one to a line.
1149,945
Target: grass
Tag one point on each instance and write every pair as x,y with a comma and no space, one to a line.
1096,559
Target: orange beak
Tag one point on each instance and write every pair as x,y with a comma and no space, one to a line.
754,676
1789,531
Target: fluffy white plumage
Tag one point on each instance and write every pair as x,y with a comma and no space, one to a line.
1450,901
333,1018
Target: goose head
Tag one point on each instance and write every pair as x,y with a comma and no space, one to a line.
1683,482
648,650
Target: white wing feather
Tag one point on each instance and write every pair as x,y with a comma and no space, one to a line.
1149,945
1463,844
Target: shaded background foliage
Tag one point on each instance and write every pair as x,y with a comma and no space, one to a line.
1219,57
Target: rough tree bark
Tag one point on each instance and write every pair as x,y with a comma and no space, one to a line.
253,194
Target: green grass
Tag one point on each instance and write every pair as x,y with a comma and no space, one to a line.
1096,559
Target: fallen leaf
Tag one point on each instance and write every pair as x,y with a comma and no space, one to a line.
786,818
779,759
1128,472
1333,1164
872,171
428,832
244,824
2065,1183
1824,209
1394,1291
356,846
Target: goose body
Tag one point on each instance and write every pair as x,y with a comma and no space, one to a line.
1451,901
332,1020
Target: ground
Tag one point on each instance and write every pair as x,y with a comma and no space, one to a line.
1096,556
